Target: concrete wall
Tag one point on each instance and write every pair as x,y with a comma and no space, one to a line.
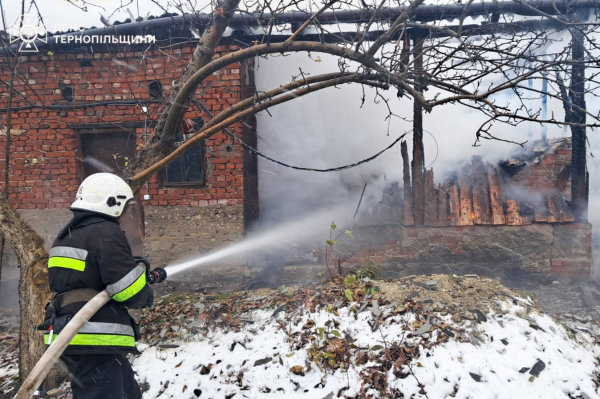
171,233
181,231
538,250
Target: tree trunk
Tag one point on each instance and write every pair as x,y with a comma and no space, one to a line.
249,136
34,292
1,256
579,200
418,171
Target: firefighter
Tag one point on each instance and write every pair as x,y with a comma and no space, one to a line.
91,254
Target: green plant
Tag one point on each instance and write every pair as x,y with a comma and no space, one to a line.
329,247
370,270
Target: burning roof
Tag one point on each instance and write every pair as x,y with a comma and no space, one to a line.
532,187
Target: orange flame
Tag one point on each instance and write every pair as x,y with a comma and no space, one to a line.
473,215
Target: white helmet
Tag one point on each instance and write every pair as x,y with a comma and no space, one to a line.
103,193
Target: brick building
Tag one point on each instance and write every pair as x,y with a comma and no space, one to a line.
84,108
83,101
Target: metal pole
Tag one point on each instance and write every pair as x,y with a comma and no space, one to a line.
359,201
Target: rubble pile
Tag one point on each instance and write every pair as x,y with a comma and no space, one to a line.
422,336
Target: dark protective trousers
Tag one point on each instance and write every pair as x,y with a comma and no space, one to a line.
102,377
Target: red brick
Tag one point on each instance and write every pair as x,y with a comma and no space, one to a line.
57,145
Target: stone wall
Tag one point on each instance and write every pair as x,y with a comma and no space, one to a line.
538,250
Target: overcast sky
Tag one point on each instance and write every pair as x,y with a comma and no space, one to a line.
63,12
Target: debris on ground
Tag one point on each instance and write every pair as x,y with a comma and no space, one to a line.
9,352
431,337
422,336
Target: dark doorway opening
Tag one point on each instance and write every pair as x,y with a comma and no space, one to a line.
109,149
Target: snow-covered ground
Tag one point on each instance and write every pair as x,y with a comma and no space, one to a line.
378,352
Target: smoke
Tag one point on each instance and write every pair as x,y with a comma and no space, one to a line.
330,128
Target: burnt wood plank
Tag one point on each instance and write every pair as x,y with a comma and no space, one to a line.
408,208
481,193
497,206
443,218
513,217
466,199
454,202
430,200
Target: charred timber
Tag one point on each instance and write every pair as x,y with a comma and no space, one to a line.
408,207
418,171
423,13
579,194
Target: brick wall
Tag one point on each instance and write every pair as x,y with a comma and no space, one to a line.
46,165
551,170
537,250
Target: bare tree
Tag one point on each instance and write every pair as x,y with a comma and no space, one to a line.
465,65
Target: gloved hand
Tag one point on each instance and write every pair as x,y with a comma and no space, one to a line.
150,301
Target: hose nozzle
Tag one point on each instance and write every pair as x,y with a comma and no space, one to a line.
157,275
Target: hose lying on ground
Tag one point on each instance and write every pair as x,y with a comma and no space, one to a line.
58,346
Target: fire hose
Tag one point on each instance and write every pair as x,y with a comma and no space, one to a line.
58,346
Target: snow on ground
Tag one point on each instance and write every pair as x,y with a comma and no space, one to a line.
8,373
322,354
9,332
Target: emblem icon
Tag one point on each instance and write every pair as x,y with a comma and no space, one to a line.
28,29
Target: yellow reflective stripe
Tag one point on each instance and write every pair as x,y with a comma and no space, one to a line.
67,263
131,290
97,340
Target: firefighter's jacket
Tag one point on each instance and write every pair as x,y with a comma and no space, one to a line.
89,255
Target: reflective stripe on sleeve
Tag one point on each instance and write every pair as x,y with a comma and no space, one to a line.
67,263
69,252
128,286
68,258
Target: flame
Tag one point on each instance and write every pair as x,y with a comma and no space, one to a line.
473,215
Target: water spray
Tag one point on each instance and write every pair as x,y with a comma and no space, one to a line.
283,234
